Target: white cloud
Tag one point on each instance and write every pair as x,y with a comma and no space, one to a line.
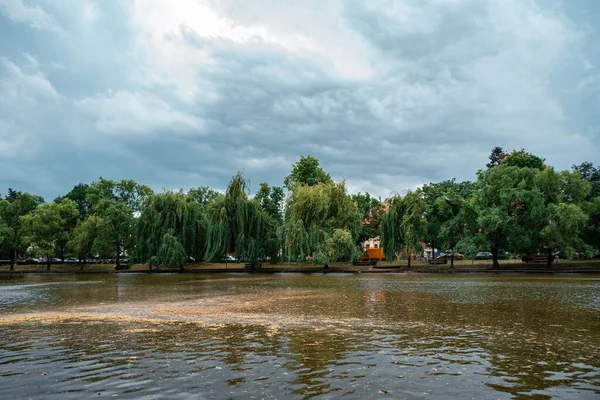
37,17
134,112
20,86
387,94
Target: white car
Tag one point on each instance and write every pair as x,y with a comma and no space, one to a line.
228,258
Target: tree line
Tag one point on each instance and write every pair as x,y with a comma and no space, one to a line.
517,204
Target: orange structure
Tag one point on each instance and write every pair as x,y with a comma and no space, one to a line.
373,255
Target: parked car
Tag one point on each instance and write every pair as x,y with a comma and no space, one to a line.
31,261
228,258
483,255
448,254
71,260
56,261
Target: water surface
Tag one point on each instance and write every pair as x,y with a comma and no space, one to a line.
300,336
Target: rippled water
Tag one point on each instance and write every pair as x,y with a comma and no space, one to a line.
300,336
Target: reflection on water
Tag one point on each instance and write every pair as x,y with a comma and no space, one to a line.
257,336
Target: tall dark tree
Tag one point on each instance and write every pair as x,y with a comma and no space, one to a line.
495,157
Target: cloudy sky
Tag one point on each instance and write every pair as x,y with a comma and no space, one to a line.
387,94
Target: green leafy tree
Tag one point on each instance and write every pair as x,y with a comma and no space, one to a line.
237,225
271,200
561,221
79,194
203,195
170,252
496,157
115,229
313,213
372,210
84,237
504,202
15,206
341,246
306,172
591,204
523,159
47,225
404,226
444,202
175,214
114,203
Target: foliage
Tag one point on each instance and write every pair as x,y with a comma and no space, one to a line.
506,203
84,237
172,213
523,159
47,225
114,203
170,252
372,210
271,201
203,195
306,172
341,246
79,194
591,174
236,225
312,215
496,157
15,206
404,226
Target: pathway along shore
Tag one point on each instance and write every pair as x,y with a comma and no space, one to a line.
589,266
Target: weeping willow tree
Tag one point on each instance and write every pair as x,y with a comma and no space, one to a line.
404,227
313,214
237,225
170,252
176,215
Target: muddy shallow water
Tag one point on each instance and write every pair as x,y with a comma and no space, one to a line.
300,336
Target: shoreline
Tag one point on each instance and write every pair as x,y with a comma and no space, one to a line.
316,270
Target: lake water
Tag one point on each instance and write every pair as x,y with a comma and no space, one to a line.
300,336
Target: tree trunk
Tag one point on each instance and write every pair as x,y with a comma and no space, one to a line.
118,260
452,260
494,251
13,259
549,265
409,257
181,267
48,260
